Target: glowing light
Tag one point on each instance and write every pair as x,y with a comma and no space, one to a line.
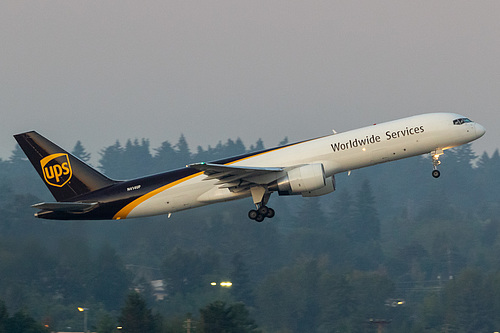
226,284
213,283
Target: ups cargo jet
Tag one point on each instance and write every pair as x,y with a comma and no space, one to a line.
307,168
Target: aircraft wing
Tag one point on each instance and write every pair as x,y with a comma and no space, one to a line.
237,176
66,206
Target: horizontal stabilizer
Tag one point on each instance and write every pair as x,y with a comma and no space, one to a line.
66,206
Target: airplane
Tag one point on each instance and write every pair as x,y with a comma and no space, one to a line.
307,168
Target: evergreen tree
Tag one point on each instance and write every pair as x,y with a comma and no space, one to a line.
370,291
283,142
458,173
483,161
217,153
259,145
337,303
109,281
468,303
415,260
495,159
202,155
4,316
310,214
366,230
217,317
182,151
19,171
465,156
106,324
487,180
73,270
239,147
343,213
80,152
366,221
312,235
137,160
112,161
21,322
241,289
17,155
184,271
165,158
232,148
135,316
289,298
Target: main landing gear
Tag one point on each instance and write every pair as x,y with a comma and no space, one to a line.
261,213
436,162
260,197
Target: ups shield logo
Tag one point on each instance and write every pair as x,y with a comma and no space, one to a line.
56,169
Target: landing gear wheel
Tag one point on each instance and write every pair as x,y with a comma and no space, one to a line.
260,196
436,173
253,214
263,211
259,218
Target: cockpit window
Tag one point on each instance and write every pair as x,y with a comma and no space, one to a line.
461,121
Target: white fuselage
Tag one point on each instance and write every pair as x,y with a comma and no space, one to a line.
337,153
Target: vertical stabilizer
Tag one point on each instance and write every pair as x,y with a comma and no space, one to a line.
64,175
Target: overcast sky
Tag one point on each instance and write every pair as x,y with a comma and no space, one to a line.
98,71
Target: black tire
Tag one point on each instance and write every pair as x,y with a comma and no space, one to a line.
252,214
270,213
263,211
259,218
436,173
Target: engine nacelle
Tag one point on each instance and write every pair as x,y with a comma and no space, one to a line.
328,188
302,180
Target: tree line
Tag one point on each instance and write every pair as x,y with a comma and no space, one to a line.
391,243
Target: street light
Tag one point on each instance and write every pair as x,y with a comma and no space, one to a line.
225,284
84,310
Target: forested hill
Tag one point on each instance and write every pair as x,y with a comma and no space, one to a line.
391,243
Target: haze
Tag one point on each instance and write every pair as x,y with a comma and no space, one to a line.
98,71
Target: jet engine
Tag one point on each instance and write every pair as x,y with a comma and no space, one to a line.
308,180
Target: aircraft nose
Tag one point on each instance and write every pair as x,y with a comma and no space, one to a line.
480,130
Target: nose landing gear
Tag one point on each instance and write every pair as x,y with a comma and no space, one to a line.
436,162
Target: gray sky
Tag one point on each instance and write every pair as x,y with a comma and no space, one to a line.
98,71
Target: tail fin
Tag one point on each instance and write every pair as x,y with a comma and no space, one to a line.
64,175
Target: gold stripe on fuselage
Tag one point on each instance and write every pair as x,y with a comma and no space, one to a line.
125,211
